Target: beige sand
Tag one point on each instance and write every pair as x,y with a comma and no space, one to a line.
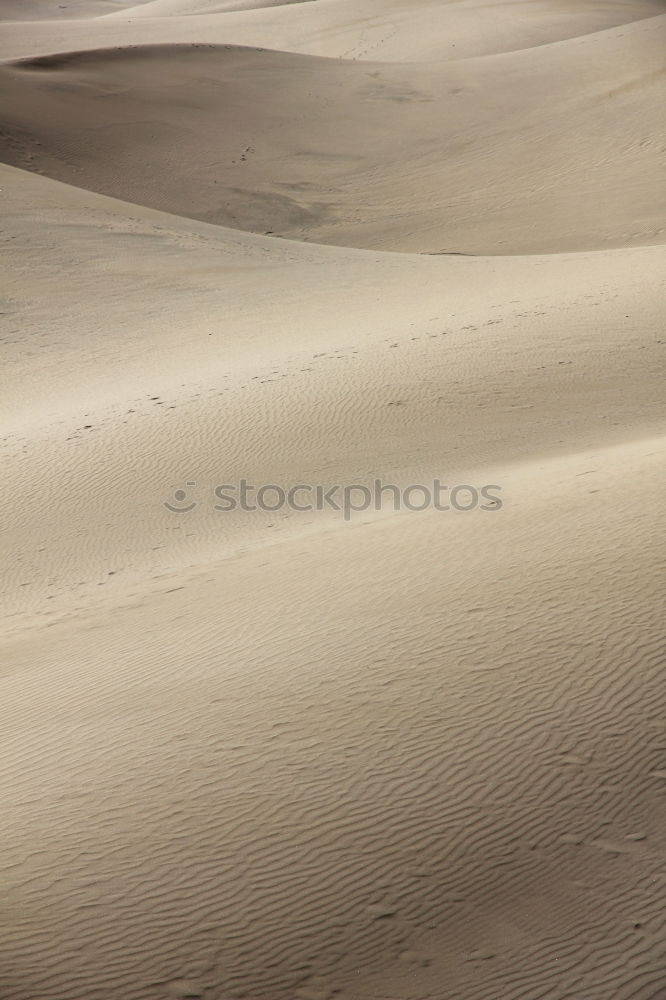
498,154
282,756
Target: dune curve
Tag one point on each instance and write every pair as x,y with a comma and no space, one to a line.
362,751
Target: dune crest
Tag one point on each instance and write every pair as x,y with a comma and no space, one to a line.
497,155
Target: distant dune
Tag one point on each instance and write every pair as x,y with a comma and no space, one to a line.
286,754
45,10
496,155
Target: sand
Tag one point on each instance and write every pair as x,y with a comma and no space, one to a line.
283,755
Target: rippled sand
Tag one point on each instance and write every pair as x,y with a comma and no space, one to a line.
283,755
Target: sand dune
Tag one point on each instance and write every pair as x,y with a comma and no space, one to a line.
482,356
43,10
509,152
283,755
393,30
348,771
401,30
179,8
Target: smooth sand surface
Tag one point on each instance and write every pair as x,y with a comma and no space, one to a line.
43,10
502,154
280,755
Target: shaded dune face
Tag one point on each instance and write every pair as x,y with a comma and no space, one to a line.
39,10
496,155
277,754
47,10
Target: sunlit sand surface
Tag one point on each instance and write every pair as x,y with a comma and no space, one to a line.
288,755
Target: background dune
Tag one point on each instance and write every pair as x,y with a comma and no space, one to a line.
401,30
44,10
393,30
504,154
279,755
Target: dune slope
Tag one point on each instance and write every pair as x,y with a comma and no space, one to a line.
498,155
390,31
44,10
443,767
373,745
284,754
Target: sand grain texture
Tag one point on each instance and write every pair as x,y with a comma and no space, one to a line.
277,755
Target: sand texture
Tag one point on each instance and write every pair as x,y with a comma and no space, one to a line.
288,755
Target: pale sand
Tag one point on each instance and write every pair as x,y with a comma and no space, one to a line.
281,756
554,148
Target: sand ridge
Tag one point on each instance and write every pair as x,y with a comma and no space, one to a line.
281,755
510,151
449,363
396,31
